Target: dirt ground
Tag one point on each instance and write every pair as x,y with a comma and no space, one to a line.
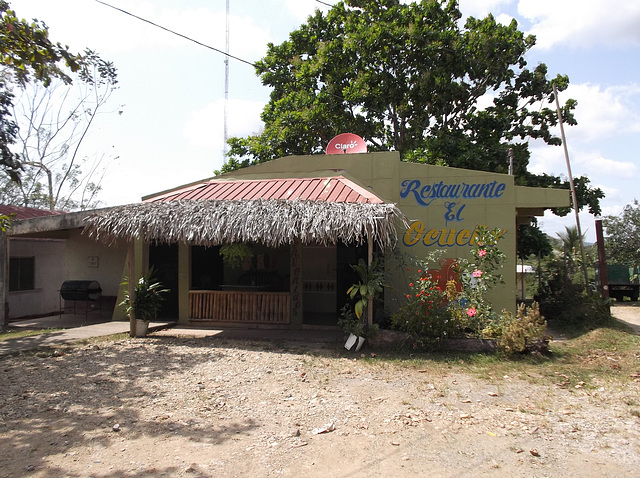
206,407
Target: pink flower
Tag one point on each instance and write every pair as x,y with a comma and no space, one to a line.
482,253
410,284
471,312
477,273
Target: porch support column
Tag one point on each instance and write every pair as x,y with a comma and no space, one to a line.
295,283
370,261
132,285
184,275
4,279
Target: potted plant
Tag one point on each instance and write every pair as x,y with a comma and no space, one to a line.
148,296
234,255
353,318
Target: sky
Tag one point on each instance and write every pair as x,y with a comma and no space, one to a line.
172,91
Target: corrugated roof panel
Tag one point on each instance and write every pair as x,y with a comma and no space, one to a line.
280,188
221,190
308,191
331,189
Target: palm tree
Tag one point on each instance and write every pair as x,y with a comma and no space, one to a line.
571,241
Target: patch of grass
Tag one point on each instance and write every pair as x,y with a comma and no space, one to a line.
102,339
16,334
603,355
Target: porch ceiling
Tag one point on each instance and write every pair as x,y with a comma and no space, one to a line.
269,221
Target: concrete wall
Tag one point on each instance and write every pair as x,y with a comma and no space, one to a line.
48,256
76,257
87,259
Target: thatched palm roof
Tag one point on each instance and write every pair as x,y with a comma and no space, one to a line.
270,221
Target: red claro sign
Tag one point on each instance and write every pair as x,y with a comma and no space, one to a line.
346,143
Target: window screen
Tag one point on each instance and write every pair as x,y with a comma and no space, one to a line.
21,273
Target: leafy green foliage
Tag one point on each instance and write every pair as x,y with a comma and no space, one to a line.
233,255
53,122
478,276
147,299
431,314
426,315
525,332
5,222
27,52
622,243
565,304
370,285
532,242
407,77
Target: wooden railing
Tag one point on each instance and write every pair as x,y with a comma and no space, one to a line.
239,306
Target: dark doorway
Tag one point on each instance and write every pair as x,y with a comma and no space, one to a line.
207,268
346,277
327,275
164,259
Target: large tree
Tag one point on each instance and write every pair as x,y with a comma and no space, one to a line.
54,123
622,242
26,53
410,78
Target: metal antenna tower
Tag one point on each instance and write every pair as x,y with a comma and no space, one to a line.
226,83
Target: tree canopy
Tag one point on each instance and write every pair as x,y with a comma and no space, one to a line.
532,242
54,122
622,242
410,78
26,53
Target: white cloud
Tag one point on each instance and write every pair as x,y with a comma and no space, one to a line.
602,114
601,166
582,23
112,32
301,9
243,119
592,163
481,8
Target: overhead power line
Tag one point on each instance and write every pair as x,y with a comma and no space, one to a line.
179,34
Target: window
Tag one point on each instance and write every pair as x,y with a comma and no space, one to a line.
22,273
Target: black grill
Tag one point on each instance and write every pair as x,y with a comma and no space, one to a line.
80,290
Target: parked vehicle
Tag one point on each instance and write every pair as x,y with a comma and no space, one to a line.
623,281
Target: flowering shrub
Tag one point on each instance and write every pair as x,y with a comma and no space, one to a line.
478,275
523,333
425,316
431,314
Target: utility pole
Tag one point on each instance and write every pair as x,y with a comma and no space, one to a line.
510,155
573,191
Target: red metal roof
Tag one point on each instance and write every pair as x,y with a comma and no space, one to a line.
26,212
330,189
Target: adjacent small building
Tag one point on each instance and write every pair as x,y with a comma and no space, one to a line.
305,220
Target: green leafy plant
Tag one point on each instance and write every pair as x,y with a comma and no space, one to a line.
370,285
5,222
525,332
478,275
426,315
235,254
351,324
148,297
433,313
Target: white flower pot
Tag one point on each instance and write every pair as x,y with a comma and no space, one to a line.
354,343
141,328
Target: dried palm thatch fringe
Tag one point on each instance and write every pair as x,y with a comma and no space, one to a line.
269,221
